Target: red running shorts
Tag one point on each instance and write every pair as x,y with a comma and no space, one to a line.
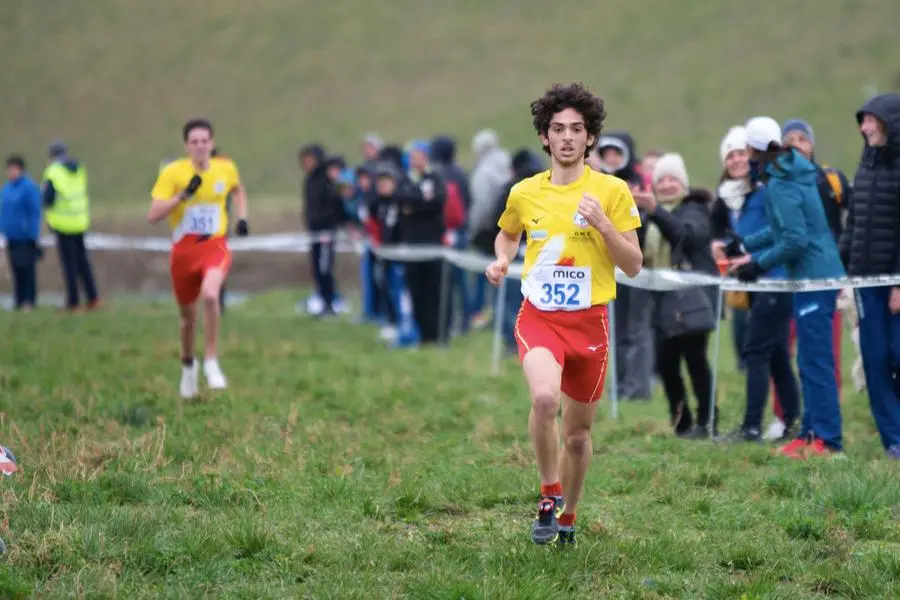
578,340
192,257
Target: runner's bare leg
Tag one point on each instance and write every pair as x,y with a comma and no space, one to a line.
209,292
188,329
577,420
544,375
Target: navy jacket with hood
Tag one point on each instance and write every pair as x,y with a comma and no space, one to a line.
870,243
323,207
443,158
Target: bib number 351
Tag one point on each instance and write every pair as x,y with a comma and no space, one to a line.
202,219
560,294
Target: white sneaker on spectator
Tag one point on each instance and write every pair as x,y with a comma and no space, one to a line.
189,380
388,333
214,376
775,430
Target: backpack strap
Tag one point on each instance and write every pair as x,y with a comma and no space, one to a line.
834,180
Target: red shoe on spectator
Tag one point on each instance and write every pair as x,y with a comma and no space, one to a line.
795,449
818,448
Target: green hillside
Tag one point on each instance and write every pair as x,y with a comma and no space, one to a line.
116,79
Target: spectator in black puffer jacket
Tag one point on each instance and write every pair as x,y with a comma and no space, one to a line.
870,245
422,223
324,212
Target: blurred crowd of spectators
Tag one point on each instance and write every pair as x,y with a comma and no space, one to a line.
826,227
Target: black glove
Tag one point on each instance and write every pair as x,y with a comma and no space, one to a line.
748,272
192,186
734,246
242,229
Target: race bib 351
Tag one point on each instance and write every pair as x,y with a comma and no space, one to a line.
201,219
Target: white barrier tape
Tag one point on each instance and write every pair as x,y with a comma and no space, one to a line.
660,280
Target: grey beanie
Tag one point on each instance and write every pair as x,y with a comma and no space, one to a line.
801,126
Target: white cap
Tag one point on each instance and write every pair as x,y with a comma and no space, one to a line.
735,139
762,131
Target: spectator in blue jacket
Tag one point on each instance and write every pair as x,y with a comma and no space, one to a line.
20,224
799,238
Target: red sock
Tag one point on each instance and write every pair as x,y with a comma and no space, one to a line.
567,520
554,489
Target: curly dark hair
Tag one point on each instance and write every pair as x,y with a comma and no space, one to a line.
576,96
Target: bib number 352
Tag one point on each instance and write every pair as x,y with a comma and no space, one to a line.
560,294
563,288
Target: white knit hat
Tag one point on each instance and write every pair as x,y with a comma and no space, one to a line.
671,164
735,139
762,131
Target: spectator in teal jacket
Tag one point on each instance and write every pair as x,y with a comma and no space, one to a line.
799,238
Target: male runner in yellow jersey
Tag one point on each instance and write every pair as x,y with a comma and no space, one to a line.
580,224
192,193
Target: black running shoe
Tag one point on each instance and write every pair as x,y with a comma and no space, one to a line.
567,537
545,529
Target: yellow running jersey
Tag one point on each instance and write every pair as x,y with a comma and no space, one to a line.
205,213
567,264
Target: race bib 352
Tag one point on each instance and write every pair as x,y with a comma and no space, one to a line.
560,288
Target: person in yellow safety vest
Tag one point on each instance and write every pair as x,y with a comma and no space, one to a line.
68,217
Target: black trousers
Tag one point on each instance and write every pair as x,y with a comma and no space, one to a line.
382,291
424,282
669,354
23,257
322,256
765,354
76,266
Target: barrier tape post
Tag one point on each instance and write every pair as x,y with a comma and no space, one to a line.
499,315
715,363
611,361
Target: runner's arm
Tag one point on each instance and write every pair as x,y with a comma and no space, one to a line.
240,200
161,208
506,245
624,249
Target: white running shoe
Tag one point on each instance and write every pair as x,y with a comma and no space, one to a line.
190,384
388,333
214,376
775,430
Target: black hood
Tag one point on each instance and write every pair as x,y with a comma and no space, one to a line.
886,108
393,154
443,150
315,150
625,144
699,196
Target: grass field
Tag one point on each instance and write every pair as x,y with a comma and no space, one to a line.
333,469
118,78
